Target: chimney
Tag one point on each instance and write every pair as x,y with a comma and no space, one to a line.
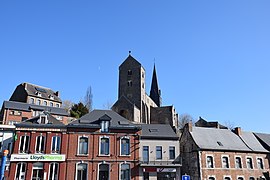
189,124
57,93
238,131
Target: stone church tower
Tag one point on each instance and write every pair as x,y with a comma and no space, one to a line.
133,102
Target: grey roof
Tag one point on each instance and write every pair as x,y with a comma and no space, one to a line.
252,142
33,122
131,60
265,138
158,131
27,107
217,139
31,89
93,118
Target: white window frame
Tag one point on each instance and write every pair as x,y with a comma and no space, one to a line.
38,169
100,146
206,165
240,162
227,176
252,162
211,176
228,157
121,138
24,151
21,170
240,177
38,102
54,151
108,169
54,172
32,100
40,147
170,153
121,170
78,147
259,157
104,126
161,152
45,103
76,173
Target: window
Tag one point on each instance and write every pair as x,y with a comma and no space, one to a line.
56,144
43,119
38,171
38,102
251,178
51,104
125,146
81,171
15,113
104,146
129,83
225,162
57,105
172,152
249,163
129,72
51,97
240,178
103,172
32,101
145,154
54,167
260,163
219,143
104,126
40,142
45,103
238,162
158,152
24,144
211,178
125,172
209,162
227,178
83,145
20,171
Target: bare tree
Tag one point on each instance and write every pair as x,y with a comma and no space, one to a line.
88,99
184,119
229,124
107,105
67,104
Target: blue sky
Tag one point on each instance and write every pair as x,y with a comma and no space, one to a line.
212,56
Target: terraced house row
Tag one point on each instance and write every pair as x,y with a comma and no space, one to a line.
139,139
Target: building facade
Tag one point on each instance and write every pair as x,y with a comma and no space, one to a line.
28,101
159,153
39,151
220,154
103,145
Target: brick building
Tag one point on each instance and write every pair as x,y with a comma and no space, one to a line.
220,154
103,145
39,150
28,101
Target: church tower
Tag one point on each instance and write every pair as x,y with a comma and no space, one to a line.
155,92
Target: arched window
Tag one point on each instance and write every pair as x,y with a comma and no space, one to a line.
125,146
103,171
54,171
104,147
125,171
20,171
83,145
81,171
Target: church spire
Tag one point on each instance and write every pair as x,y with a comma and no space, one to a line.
154,92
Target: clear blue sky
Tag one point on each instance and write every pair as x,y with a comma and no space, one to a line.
212,56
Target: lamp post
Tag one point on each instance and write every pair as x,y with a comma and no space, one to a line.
3,164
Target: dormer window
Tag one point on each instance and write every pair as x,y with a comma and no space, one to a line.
51,97
104,126
43,119
38,94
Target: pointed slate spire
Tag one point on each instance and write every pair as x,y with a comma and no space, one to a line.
154,92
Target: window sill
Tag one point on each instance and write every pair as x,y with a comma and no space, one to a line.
104,155
82,155
128,155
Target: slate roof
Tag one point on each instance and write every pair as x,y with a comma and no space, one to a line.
132,60
252,142
27,107
31,90
93,118
265,138
158,131
217,139
33,122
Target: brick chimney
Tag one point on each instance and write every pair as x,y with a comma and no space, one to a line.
238,131
189,126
